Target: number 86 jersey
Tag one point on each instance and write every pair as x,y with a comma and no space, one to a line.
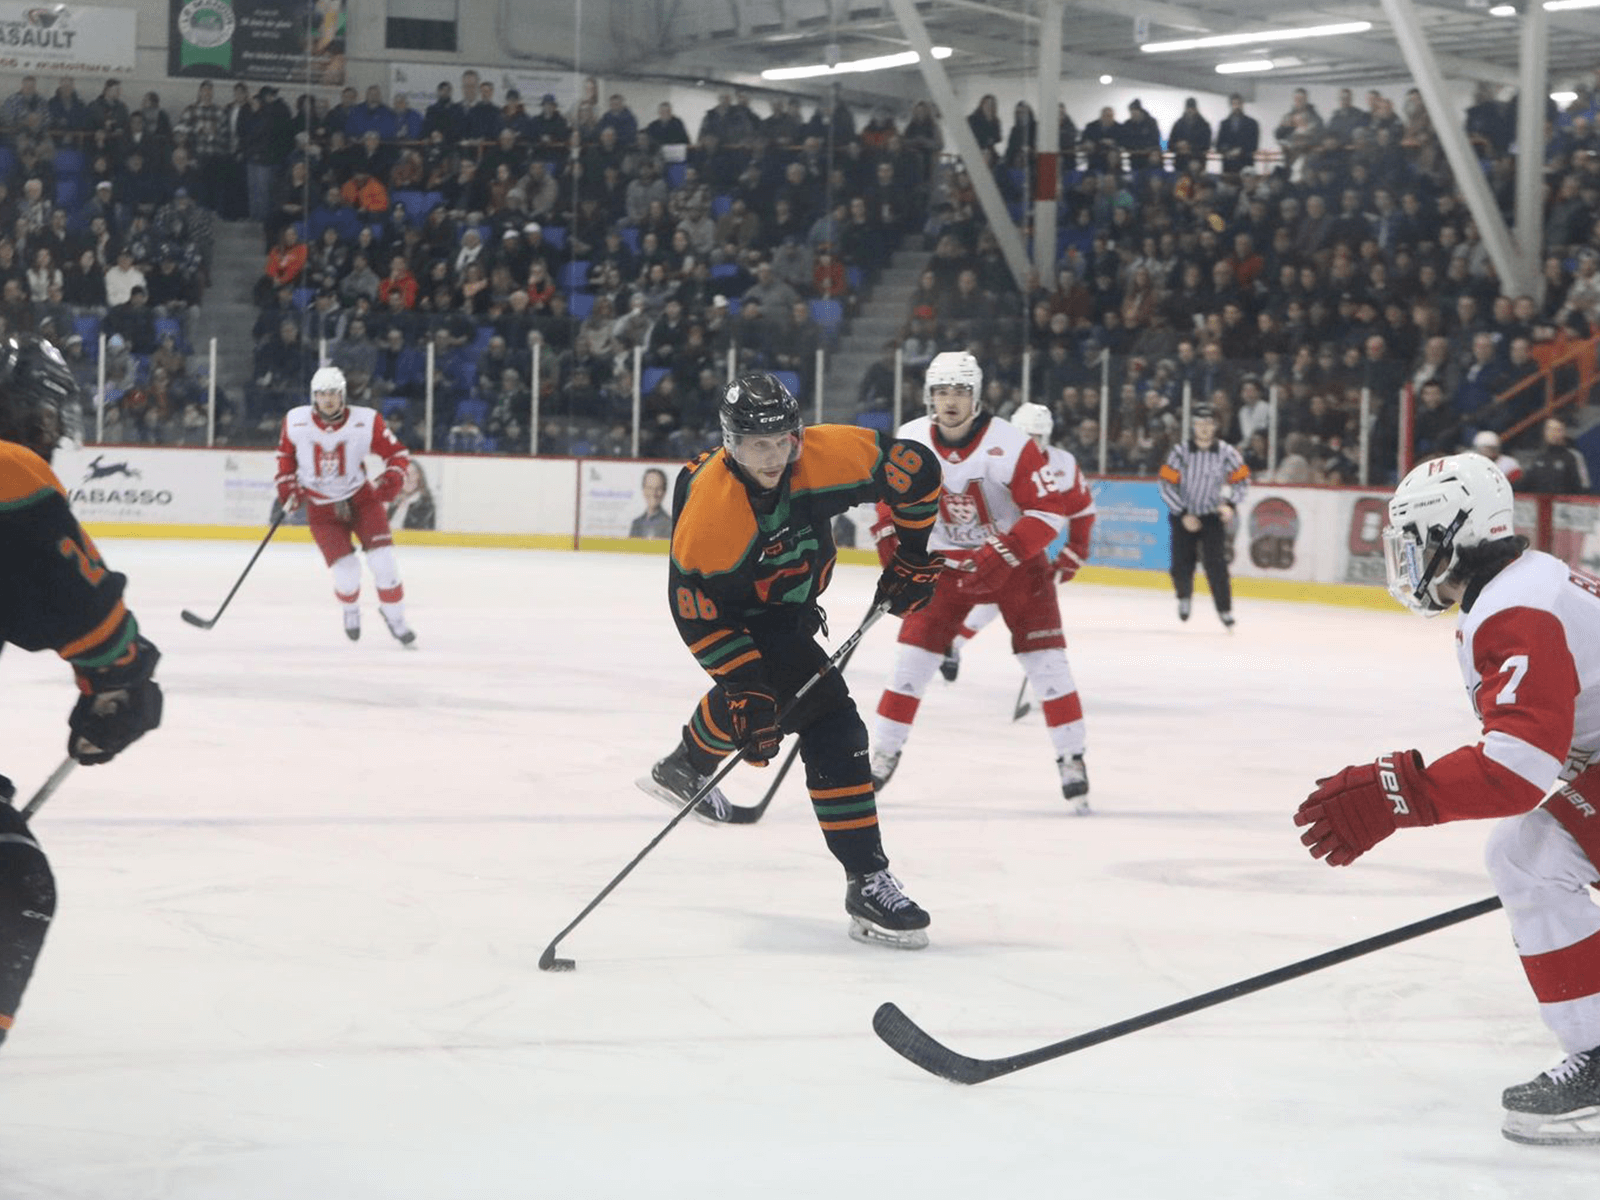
1529,650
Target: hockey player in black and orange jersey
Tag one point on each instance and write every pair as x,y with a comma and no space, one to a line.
55,594
752,550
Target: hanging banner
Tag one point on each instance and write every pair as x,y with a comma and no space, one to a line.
77,40
264,40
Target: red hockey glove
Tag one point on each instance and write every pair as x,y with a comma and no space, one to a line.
986,570
1067,564
291,496
388,485
885,536
119,705
908,581
754,716
1356,809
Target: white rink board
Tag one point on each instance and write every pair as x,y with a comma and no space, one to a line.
296,945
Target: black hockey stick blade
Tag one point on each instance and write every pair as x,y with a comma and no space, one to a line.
200,622
196,619
1022,707
907,1039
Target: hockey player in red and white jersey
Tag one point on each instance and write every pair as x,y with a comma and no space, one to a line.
322,464
1070,549
999,510
1528,645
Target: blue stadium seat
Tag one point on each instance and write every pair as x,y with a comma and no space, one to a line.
580,304
69,162
413,205
555,236
853,278
720,205
480,341
574,274
649,377
724,270
69,191
475,411
789,380
675,174
166,325
828,313
394,404
883,422
734,305
8,161
88,328
302,297
630,237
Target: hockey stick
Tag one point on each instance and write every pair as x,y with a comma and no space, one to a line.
1022,707
548,960
902,1035
48,787
196,619
749,814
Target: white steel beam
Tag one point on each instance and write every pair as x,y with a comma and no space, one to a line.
1047,167
1534,88
1453,138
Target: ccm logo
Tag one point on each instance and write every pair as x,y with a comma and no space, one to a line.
1389,781
1577,802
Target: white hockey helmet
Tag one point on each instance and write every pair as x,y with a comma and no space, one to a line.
1035,420
327,379
1441,508
953,368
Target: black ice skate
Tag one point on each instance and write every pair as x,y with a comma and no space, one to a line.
1074,782
675,781
1561,1107
882,767
1227,620
951,666
352,624
882,915
402,632
1184,605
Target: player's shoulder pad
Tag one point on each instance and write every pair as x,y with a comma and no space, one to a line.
25,478
297,416
836,456
714,524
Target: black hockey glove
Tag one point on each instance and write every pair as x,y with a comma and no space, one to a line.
119,705
754,715
908,581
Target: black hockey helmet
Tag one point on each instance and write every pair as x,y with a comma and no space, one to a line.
759,406
39,398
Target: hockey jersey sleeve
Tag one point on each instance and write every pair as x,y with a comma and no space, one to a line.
908,478
396,459
55,591
1042,503
288,463
1526,699
1080,509
1238,481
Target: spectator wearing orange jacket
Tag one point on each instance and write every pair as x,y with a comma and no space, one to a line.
365,194
399,279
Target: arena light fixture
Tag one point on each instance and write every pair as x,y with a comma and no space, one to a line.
1266,35
882,62
1244,66
1105,80
1503,10
1563,97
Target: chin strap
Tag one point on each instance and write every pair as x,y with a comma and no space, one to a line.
1434,563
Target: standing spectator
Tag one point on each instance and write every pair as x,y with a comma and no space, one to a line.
667,129
1557,469
1190,138
1203,482
445,116
1238,137
24,102
984,121
202,129
67,111
1487,443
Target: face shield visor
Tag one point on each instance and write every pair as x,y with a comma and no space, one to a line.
1414,567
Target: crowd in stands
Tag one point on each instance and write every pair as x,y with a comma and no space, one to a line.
1196,261
1344,262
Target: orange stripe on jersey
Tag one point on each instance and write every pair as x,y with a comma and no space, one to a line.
1169,473
96,635
705,715
23,473
747,656
700,741
710,640
1242,473
860,789
5,1022
715,526
834,456
858,823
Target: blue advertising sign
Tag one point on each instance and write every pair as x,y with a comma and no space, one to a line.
1130,528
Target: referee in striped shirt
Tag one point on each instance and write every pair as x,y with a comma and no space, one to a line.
1202,482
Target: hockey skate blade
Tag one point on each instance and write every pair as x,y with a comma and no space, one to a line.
650,787
1580,1127
869,934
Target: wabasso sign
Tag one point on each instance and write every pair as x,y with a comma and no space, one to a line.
71,39
266,40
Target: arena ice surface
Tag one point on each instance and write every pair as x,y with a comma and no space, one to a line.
295,953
